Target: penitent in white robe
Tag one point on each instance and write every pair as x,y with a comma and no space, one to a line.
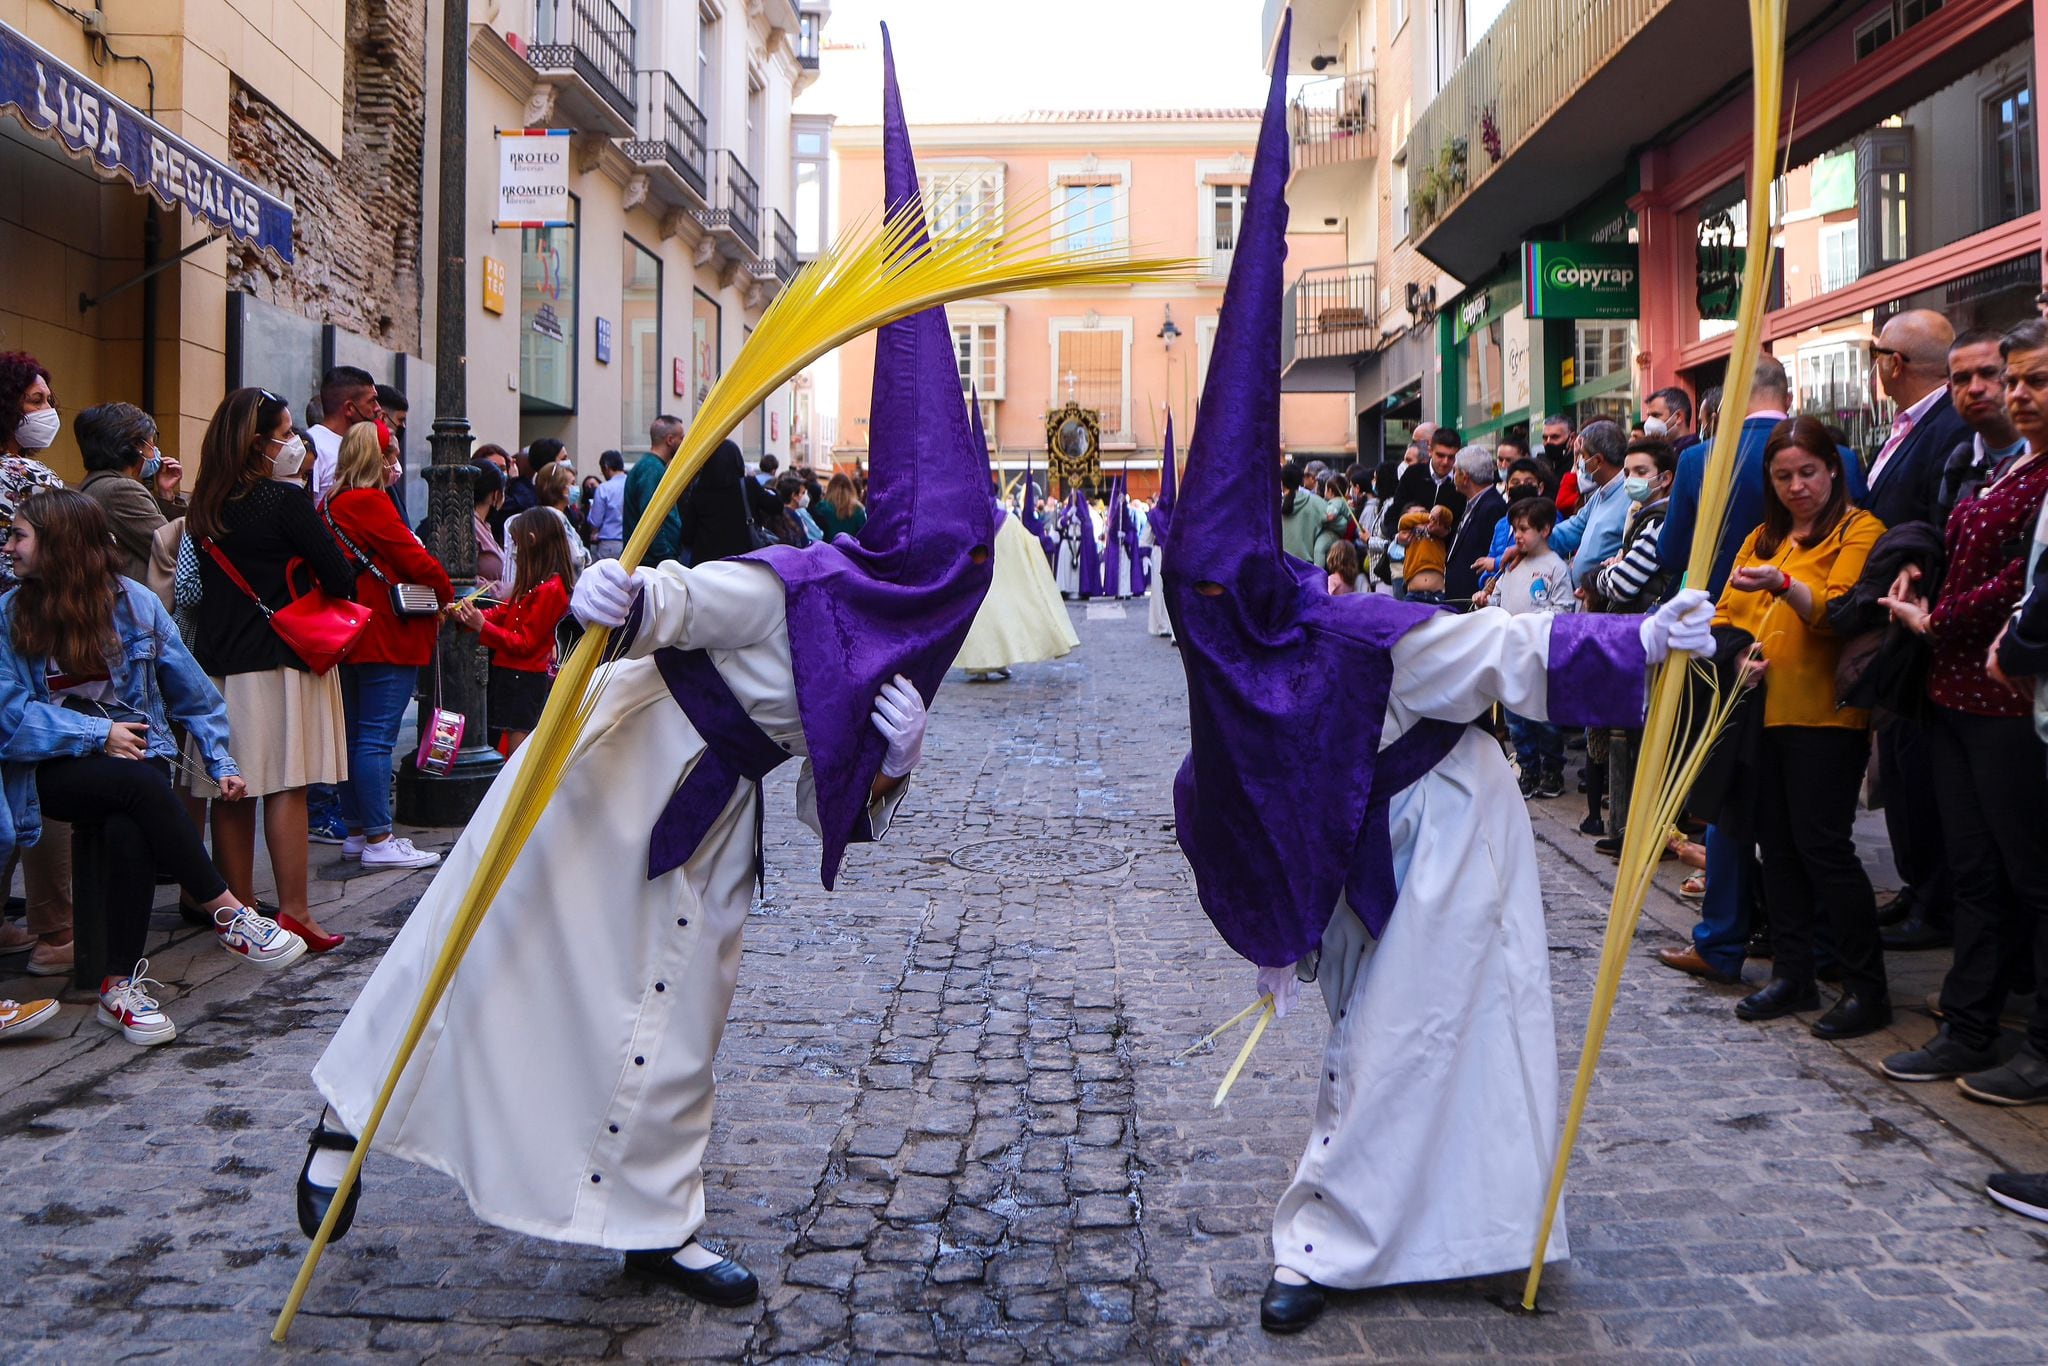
1156,620
1022,620
1432,1146
566,1079
1068,574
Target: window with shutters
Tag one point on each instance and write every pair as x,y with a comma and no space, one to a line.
958,197
978,350
1091,366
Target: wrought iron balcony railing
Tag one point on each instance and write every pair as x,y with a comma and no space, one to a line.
1330,312
810,26
590,39
1332,121
735,201
671,131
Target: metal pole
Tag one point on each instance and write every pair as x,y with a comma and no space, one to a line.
461,661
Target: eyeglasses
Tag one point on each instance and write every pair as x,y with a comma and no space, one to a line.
1877,350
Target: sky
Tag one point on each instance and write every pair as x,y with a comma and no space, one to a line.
962,60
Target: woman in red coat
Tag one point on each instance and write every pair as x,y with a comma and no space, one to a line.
378,678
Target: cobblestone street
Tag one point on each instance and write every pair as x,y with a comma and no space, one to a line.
950,1125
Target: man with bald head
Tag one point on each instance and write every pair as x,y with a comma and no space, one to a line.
1910,359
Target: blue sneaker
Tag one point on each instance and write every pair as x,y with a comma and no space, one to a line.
326,829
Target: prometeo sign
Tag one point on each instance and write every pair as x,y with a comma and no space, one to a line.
1580,280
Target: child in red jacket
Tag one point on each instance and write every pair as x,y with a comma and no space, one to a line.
521,631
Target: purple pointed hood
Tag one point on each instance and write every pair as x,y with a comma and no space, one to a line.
1160,514
899,596
1264,654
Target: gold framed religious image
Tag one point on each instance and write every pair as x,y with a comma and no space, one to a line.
1073,444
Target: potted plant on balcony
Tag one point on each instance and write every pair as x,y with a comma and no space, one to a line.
1422,196
1450,167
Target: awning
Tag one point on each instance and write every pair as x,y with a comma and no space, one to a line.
54,101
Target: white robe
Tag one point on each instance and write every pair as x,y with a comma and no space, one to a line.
1156,620
566,1079
1431,1148
1022,620
1069,571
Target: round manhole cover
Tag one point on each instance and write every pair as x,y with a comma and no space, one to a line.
1038,857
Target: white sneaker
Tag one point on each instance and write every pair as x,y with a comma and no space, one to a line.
25,1017
126,1005
352,847
257,939
397,852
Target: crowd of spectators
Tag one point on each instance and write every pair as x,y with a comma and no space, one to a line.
154,705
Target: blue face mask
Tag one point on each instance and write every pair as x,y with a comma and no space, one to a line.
151,463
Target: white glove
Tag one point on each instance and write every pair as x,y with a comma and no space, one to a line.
1684,623
1282,985
899,715
604,594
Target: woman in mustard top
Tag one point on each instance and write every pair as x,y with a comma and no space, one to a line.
1809,551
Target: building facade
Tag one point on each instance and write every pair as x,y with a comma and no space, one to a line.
1168,182
1911,180
196,196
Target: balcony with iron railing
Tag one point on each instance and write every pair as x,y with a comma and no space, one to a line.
585,49
670,141
1329,316
1331,122
810,32
777,264
732,214
1543,112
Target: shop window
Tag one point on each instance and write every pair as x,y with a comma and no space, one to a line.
706,359
959,198
1485,375
2010,179
547,318
640,321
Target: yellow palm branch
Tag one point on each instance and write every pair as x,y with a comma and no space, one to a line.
1675,744
876,274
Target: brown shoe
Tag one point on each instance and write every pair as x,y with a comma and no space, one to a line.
1688,959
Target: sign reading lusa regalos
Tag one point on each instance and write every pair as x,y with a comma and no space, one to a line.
533,178
54,101
1580,279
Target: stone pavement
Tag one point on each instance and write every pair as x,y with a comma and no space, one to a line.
951,1126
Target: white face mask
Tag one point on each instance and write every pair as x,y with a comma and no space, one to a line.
290,458
38,430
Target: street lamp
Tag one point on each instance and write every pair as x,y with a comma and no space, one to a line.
461,663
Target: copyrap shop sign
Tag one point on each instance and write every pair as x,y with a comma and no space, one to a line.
1580,280
56,102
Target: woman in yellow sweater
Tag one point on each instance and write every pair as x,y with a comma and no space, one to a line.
1809,551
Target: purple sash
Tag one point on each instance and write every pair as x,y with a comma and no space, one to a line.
1370,887
735,750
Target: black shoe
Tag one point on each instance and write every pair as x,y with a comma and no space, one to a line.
1609,845
2020,1193
1781,996
1550,784
1528,783
1854,1016
1895,910
1288,1308
2022,1080
1915,932
1943,1057
724,1284
314,1200
1592,825
1759,945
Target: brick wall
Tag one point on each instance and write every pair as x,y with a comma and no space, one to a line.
358,221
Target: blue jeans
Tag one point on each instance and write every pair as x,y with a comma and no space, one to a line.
1722,936
373,698
1539,746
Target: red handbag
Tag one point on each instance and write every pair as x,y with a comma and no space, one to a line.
320,629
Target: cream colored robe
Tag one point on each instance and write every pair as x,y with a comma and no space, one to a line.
1022,620
566,1080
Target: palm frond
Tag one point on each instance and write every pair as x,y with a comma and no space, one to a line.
1674,751
877,273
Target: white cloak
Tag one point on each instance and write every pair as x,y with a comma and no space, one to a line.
1156,620
1022,620
1069,570
1436,1113
565,1080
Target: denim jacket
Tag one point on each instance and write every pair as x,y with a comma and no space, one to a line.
157,679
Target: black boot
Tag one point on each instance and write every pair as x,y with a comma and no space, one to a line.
314,1200
1288,1308
725,1284
1854,1016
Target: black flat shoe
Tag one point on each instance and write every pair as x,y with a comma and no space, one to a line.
1288,1308
724,1284
1914,933
314,1200
1895,910
1781,996
1854,1016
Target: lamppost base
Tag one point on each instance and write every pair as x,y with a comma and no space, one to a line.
434,800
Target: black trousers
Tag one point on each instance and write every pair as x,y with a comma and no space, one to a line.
1913,817
147,832
1991,778
1807,781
